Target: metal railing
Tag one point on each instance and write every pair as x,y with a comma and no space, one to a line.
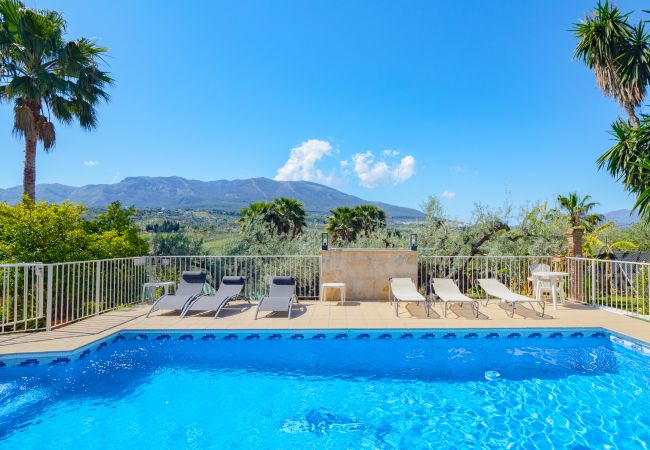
38,296
258,271
22,305
513,271
618,286
76,290
46,296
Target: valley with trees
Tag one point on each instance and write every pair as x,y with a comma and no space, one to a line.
46,77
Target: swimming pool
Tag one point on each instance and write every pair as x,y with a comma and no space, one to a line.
332,389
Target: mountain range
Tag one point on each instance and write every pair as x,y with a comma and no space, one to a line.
622,217
226,195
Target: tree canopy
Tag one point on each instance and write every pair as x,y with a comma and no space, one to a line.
286,217
347,224
48,233
578,211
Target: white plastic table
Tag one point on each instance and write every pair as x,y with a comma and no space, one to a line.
325,286
556,280
152,286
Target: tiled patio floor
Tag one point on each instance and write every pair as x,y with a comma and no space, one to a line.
316,315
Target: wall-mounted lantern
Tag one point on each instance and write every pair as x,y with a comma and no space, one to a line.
414,242
325,241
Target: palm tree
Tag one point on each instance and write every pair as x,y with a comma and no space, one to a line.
643,200
343,224
579,211
258,211
44,75
629,158
284,216
594,245
370,218
619,54
288,216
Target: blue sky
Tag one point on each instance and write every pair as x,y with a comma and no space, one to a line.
392,101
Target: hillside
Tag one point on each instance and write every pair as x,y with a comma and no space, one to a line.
227,195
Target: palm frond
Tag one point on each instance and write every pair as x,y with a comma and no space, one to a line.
46,133
24,121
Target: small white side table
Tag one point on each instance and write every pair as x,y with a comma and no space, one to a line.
152,286
325,286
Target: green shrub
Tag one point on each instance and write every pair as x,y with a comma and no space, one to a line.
48,233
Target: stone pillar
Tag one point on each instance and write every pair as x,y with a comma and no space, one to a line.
365,272
574,241
575,268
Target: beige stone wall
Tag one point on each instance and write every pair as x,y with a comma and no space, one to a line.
365,272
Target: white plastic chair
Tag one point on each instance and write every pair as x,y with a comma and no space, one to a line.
541,285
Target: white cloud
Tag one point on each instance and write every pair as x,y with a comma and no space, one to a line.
345,163
391,153
372,173
301,164
91,163
448,194
405,169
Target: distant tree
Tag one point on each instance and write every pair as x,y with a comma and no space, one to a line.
285,217
255,212
578,211
288,216
116,223
43,75
342,224
370,218
347,224
176,244
167,226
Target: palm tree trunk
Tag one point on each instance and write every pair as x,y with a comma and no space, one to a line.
29,171
634,120
31,138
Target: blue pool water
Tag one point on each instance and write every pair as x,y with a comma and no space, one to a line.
330,394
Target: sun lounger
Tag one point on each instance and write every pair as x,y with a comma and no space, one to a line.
190,287
448,292
229,289
280,297
404,290
495,288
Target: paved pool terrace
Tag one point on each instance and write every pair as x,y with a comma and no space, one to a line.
315,315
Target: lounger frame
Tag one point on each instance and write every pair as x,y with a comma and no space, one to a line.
280,294
218,297
474,304
512,301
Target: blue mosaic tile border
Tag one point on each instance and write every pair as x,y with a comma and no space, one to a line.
44,359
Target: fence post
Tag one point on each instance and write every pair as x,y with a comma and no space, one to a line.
594,283
487,267
98,287
48,301
40,273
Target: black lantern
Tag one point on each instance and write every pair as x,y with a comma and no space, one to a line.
414,242
324,241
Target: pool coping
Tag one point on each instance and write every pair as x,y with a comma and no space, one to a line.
25,359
